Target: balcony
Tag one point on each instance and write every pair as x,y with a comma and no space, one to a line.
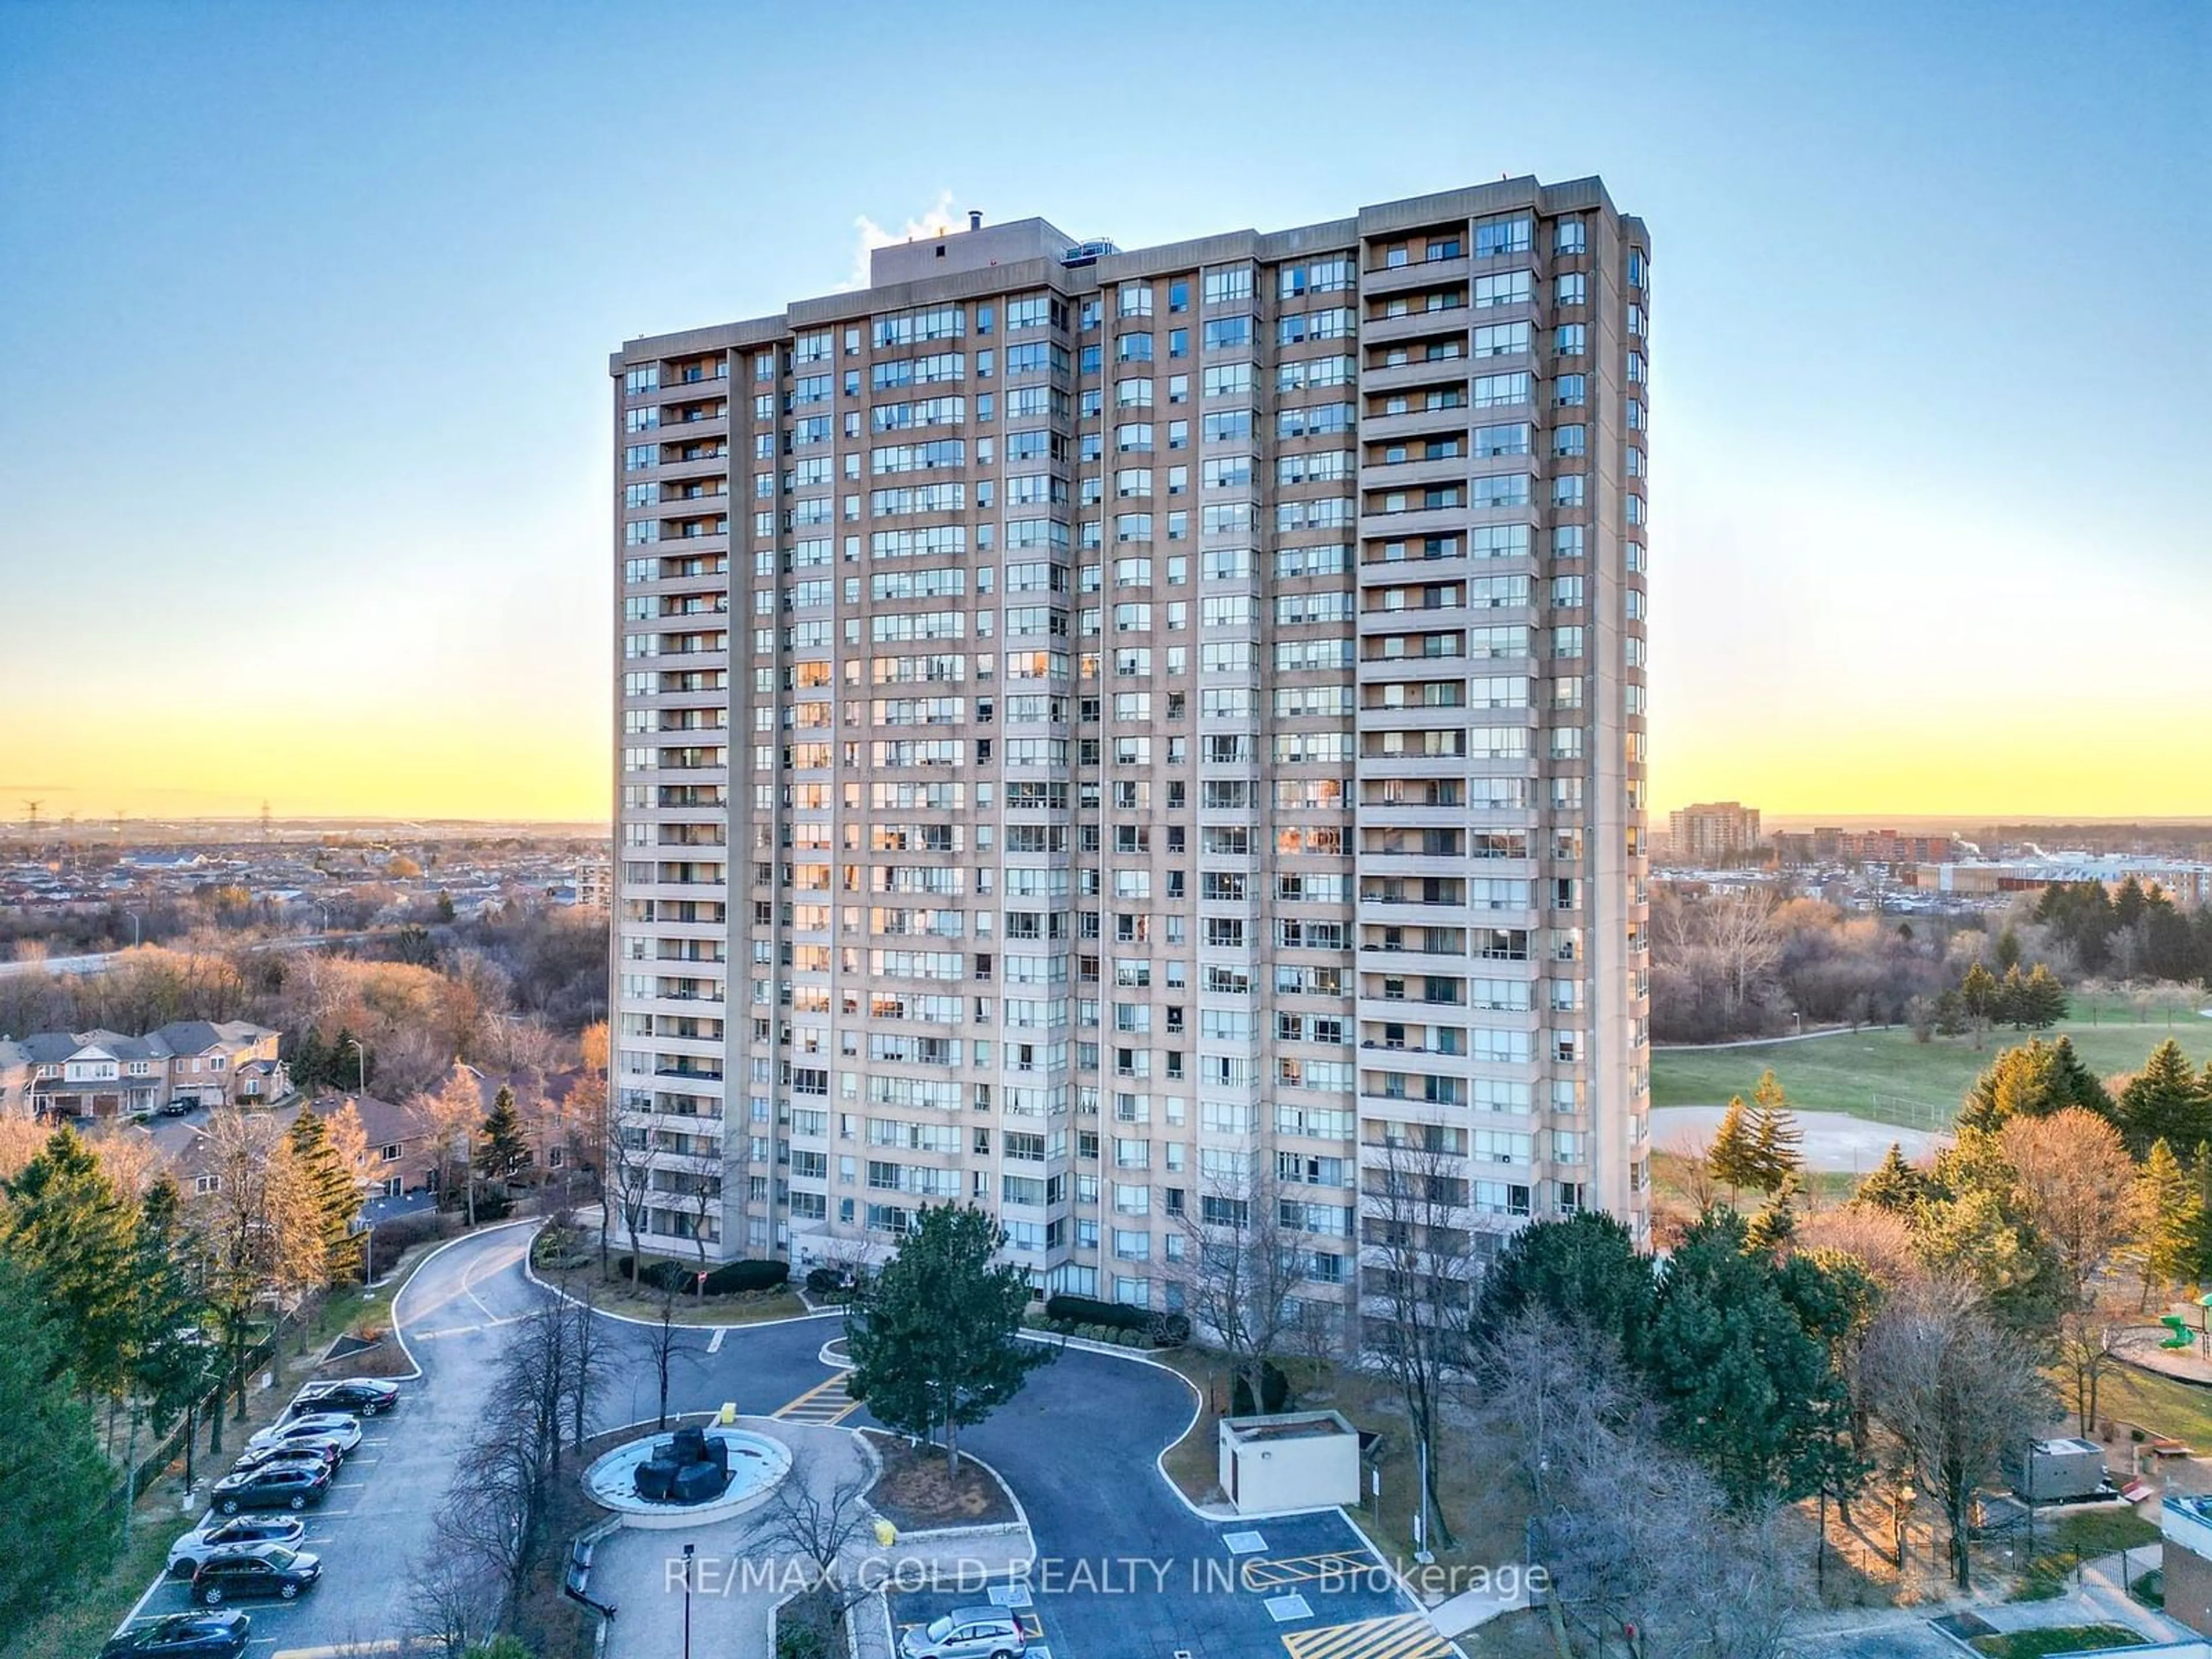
1414,275
1414,474
1415,325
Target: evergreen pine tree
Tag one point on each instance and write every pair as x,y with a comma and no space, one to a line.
53,1481
1893,1185
334,1190
2166,1250
1775,1137
2012,1003
2078,1086
932,1334
310,1063
1950,1013
67,1224
2007,950
503,1148
2046,998
1732,1158
1776,1224
1979,996
2164,1101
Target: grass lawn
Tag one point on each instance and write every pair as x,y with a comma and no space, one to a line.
2057,1638
1885,1075
2159,1404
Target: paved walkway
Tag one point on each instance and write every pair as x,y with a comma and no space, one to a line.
1833,1140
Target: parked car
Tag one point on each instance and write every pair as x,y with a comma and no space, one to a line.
256,1570
196,1546
182,1635
179,1107
274,1487
318,1451
364,1396
966,1633
340,1428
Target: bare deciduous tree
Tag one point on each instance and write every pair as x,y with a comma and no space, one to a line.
1419,1285
453,1596
1240,1270
1957,1390
821,1528
2088,1340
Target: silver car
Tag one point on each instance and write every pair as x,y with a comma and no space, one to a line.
240,1530
967,1634
341,1428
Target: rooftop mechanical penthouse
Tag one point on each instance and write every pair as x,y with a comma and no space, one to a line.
1149,742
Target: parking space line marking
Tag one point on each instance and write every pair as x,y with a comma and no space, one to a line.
714,1342
825,1405
1404,1636
1298,1569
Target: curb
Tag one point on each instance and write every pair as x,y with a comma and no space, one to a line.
529,1272
399,1327
1019,1523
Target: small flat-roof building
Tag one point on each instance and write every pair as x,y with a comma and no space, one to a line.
1288,1460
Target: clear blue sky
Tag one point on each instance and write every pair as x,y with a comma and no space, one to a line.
304,314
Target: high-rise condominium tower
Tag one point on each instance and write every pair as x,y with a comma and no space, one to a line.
1150,743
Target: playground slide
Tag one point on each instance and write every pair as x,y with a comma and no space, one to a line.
2181,1335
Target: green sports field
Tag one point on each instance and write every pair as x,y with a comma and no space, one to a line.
1887,1076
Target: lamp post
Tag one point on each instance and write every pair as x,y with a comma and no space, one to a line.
137,934
688,1550
360,1062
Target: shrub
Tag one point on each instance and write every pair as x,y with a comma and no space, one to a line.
402,1232
748,1275
724,1280
1274,1393
1105,1320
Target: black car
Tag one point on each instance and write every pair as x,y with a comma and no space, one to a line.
363,1395
183,1635
254,1571
272,1487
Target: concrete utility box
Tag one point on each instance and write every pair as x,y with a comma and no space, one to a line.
1290,1460
2050,1471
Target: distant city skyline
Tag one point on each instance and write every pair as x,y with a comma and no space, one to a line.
303,415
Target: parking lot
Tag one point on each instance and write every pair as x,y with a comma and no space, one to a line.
378,1517
1296,1586
354,1600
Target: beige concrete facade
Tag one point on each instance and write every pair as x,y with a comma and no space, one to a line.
1156,749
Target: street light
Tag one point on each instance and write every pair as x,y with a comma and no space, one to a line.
688,1549
361,1061
134,930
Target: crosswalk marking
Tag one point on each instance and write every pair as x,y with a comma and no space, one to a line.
1298,1569
826,1405
1406,1635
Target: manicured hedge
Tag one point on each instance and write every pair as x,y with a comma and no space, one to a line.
1168,1329
724,1280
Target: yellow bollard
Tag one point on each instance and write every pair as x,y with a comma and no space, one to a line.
886,1534
729,1412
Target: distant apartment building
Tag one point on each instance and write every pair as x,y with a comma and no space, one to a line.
1159,737
1798,847
1717,832
595,883
2189,884
102,1074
